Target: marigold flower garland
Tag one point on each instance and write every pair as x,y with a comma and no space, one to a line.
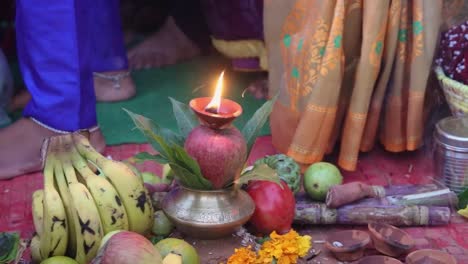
280,249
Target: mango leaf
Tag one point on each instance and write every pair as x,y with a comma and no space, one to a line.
257,121
187,178
463,199
144,156
169,146
157,140
261,172
183,158
149,129
186,119
181,155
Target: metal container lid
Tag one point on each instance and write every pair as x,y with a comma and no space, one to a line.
453,131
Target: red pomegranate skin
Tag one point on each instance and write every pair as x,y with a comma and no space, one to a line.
221,154
274,207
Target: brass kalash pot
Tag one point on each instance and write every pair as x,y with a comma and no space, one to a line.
216,213
208,214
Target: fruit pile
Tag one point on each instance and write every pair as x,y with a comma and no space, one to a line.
275,203
85,196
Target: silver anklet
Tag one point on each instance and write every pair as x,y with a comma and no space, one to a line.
48,127
90,130
116,78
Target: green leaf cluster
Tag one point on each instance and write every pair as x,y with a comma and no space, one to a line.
261,172
9,246
169,145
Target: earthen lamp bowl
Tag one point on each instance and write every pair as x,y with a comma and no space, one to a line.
347,245
228,111
379,260
430,256
390,240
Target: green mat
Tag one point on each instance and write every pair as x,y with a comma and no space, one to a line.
196,78
182,82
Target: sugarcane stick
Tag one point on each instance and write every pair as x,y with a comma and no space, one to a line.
339,195
342,194
319,213
409,189
443,197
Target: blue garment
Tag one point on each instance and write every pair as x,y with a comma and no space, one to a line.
60,44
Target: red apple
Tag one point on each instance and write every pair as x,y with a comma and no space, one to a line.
274,207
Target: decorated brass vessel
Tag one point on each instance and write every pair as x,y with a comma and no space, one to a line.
208,214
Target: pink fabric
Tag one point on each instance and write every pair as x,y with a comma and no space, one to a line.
376,167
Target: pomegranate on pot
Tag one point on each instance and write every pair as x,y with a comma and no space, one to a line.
221,153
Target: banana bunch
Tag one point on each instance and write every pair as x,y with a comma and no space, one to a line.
85,196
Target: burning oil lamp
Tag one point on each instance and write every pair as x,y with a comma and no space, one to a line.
219,147
216,112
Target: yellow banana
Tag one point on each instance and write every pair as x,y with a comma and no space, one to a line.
67,201
133,168
88,227
108,202
129,186
36,249
38,211
54,237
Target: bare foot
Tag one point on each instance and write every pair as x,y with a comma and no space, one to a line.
113,86
21,145
167,46
20,100
259,88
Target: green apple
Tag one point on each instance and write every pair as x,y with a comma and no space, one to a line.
162,226
151,178
318,179
179,247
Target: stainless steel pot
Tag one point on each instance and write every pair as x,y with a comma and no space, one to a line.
451,152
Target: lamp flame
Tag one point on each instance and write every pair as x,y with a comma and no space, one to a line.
215,103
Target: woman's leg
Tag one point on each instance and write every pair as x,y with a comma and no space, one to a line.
112,80
55,53
183,36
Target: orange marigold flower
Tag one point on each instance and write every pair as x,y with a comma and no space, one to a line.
242,256
285,249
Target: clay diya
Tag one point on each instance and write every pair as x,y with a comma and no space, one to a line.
215,118
379,260
390,240
347,245
430,256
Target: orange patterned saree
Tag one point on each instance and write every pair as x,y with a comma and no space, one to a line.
349,71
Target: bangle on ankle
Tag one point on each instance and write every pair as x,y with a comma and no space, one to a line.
115,78
90,130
